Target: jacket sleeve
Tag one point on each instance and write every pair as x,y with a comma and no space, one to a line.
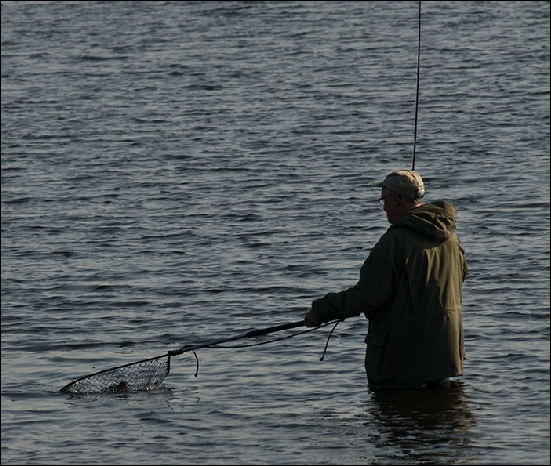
377,285
463,260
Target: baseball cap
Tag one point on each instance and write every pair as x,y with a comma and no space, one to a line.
406,183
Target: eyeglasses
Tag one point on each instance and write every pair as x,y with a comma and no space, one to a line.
382,199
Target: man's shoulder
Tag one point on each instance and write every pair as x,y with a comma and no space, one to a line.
393,239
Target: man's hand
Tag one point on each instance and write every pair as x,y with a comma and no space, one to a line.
310,320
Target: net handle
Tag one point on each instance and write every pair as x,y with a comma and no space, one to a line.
265,331
249,334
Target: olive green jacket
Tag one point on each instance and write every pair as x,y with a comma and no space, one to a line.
410,289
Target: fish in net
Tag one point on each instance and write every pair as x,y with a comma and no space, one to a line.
138,376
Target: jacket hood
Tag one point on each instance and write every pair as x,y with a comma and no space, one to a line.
434,220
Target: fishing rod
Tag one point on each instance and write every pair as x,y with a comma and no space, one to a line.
417,94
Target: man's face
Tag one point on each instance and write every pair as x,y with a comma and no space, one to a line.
391,205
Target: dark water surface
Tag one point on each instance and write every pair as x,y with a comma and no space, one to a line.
176,172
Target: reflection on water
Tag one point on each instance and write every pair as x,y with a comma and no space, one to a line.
426,425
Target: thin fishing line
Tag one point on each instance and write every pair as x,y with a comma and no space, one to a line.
196,359
328,338
417,94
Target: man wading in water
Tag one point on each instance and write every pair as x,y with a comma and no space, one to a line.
410,289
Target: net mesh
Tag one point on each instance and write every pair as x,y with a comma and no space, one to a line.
138,376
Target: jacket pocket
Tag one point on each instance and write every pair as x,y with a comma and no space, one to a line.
374,356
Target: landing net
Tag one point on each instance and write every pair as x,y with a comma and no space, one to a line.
138,376
149,373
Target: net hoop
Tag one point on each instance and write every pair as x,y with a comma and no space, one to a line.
143,375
